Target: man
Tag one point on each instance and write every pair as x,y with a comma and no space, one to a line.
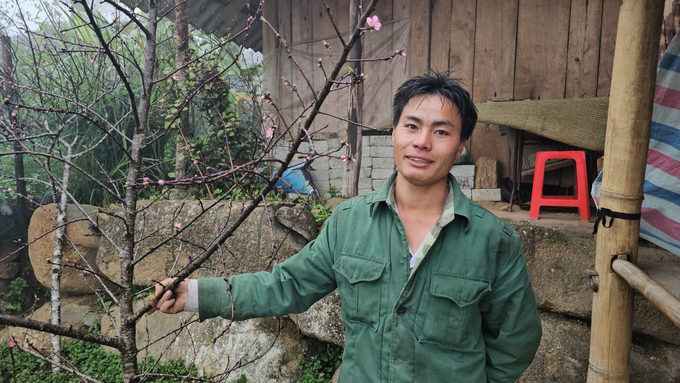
434,288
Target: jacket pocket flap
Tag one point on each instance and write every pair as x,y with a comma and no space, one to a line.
359,269
462,291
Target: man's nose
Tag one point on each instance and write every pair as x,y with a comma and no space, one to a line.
423,140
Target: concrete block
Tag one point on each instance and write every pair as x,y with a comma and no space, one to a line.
366,162
320,176
337,183
382,173
322,163
365,141
466,182
321,146
337,172
493,195
467,192
382,152
381,140
377,183
486,176
366,172
463,170
383,163
365,183
304,147
364,191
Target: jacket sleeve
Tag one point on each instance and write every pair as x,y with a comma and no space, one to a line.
510,321
291,287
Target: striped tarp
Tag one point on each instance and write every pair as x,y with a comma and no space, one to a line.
660,222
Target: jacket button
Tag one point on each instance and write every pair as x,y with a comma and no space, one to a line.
401,311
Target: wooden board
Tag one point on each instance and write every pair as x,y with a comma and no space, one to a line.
610,19
494,57
462,42
419,52
494,71
584,48
401,9
542,36
271,14
440,35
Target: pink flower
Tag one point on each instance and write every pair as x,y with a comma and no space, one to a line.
374,22
403,53
63,33
92,61
146,179
175,78
344,159
161,182
195,162
262,97
362,75
354,160
11,343
269,133
9,190
178,225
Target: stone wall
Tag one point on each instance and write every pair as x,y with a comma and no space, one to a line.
267,348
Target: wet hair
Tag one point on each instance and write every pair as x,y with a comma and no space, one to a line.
441,84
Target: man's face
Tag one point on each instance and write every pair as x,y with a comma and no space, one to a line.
426,140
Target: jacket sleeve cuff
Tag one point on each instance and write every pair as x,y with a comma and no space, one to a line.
213,298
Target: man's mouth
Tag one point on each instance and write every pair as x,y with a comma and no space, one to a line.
419,160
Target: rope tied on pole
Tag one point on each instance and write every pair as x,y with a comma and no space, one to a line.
603,213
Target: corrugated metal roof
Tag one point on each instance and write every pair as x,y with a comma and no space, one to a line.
220,17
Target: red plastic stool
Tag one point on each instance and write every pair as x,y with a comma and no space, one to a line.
580,200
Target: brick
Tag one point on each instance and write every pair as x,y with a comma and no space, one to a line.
366,172
320,176
304,147
337,172
337,183
381,140
463,170
381,173
486,173
322,163
366,162
467,192
383,163
365,141
466,182
365,183
364,191
377,183
321,146
382,152
493,195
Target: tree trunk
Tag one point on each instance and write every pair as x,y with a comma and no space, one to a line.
350,180
181,40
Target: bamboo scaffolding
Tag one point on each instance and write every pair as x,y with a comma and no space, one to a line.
627,139
668,303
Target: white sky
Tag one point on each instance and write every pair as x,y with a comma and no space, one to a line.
34,11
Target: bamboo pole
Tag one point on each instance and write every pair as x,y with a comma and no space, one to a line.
627,140
668,303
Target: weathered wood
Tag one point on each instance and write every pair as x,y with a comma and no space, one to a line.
663,299
628,126
323,30
584,48
350,180
542,35
610,17
441,34
495,39
400,67
494,72
401,9
271,14
419,55
462,41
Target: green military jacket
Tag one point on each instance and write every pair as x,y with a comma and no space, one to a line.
466,313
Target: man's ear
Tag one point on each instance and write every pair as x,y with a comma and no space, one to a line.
460,149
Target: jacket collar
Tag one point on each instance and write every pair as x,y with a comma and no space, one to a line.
461,204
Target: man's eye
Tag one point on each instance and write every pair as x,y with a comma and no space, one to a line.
410,126
442,132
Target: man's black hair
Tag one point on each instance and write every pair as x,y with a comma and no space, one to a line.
441,84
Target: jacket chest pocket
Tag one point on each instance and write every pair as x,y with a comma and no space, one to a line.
360,289
451,316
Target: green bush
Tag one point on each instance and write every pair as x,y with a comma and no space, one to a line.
320,369
13,298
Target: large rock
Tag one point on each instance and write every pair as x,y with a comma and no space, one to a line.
76,312
559,262
80,248
265,350
564,351
486,176
249,249
323,320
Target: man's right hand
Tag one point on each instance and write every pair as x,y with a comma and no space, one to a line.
173,301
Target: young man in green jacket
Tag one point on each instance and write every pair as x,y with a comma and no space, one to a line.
434,288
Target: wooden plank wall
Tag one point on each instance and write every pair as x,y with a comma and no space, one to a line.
529,49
